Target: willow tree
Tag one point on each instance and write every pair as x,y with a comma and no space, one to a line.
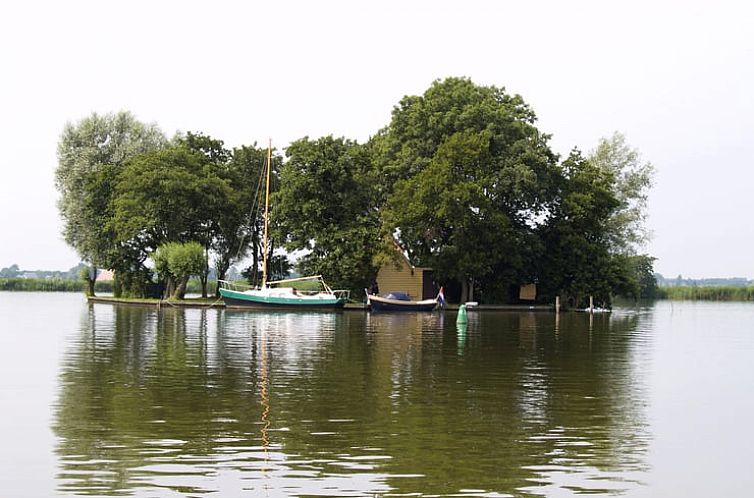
91,153
467,175
632,179
176,263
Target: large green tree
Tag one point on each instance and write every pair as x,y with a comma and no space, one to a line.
215,158
326,206
467,175
170,195
577,262
91,153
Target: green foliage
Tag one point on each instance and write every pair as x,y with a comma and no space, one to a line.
212,149
461,177
90,155
326,206
176,262
642,268
576,261
49,285
445,216
135,282
693,293
169,195
240,225
632,180
89,276
517,152
186,259
472,175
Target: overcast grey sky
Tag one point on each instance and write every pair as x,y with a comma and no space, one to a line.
676,77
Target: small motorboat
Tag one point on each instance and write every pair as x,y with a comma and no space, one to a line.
400,301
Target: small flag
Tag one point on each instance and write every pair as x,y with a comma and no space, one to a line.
441,298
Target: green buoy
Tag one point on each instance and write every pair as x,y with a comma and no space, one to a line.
462,314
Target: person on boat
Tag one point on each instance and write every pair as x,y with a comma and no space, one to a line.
295,292
374,289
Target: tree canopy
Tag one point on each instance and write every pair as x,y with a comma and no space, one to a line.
326,207
90,155
460,179
632,180
472,175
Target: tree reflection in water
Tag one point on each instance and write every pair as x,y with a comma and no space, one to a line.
200,402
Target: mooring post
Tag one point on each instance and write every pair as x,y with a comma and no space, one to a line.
557,304
591,304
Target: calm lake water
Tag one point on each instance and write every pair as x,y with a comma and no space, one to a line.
101,400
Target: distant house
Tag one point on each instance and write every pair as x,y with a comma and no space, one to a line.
402,276
104,275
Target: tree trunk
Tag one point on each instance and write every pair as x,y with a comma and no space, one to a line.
180,289
221,269
203,279
205,274
90,287
464,290
117,284
169,287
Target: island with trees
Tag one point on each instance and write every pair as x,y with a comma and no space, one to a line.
460,179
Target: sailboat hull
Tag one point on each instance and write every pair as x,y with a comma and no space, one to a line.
247,300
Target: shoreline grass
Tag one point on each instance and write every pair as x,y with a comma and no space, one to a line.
711,293
50,285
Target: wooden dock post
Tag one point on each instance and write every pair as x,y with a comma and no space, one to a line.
557,304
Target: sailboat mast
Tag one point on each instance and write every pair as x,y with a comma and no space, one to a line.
266,216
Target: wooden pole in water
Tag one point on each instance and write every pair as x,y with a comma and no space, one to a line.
557,304
591,304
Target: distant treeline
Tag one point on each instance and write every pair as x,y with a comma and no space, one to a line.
712,293
66,285
679,281
50,285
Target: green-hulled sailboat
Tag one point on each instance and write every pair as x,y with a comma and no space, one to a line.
280,294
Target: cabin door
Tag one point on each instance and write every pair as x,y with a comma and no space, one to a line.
429,287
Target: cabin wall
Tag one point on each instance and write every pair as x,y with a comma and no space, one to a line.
528,292
401,279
